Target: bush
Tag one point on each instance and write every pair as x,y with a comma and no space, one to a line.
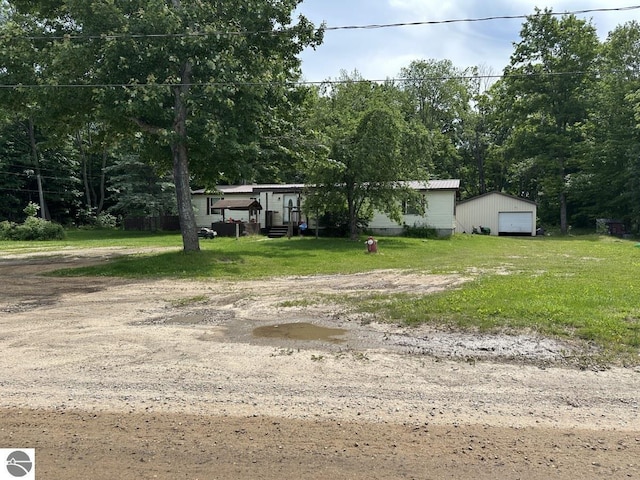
336,224
106,220
33,228
31,209
420,232
87,219
5,228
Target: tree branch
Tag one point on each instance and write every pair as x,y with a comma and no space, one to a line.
145,127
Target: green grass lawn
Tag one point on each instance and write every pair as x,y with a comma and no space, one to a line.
568,288
583,287
94,238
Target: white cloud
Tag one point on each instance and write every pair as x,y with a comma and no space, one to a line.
381,53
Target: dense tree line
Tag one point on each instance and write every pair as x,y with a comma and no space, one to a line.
119,107
199,89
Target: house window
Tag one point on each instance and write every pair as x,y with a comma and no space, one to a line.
210,203
411,207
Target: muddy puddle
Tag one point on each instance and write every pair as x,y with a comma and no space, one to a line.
300,331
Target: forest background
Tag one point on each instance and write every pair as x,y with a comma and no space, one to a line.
120,108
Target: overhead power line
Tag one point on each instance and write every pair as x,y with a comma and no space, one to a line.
481,19
116,36
294,84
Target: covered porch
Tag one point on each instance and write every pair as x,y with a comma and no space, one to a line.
229,226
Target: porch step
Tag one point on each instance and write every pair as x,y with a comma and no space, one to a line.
278,232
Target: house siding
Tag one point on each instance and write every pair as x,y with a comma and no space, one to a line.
277,203
439,215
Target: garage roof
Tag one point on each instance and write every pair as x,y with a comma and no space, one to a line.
513,197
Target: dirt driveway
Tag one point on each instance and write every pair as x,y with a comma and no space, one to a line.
110,378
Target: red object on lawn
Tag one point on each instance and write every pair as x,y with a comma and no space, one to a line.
372,245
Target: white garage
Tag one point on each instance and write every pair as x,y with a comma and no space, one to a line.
500,213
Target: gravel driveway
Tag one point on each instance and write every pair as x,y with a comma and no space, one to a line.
176,379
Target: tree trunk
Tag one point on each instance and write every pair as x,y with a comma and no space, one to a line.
44,212
188,228
353,226
479,154
353,216
563,213
102,182
564,228
85,173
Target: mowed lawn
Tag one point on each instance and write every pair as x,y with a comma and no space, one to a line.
585,287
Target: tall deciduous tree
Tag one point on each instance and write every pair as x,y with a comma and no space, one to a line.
58,116
192,76
548,79
611,183
23,63
476,132
439,97
15,161
371,150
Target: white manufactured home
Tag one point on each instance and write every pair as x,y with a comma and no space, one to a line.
440,200
498,213
257,208
279,208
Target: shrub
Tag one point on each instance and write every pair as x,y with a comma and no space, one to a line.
5,229
87,219
420,232
336,224
33,228
31,209
106,220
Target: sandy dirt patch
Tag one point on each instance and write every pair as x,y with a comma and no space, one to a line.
168,379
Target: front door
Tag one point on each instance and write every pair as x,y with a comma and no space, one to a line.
291,210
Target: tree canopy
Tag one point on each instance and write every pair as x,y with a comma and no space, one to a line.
551,69
197,82
368,149
200,93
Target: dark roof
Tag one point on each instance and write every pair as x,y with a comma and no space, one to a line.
238,204
280,188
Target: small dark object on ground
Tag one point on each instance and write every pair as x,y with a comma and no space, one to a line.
207,233
482,230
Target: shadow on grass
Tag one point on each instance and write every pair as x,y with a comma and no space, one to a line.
259,257
104,237
230,258
167,264
255,258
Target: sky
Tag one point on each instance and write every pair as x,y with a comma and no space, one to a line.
378,54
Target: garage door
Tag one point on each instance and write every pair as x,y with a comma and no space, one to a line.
515,222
